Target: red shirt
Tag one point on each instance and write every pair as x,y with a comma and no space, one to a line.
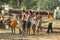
13,23
49,16
39,16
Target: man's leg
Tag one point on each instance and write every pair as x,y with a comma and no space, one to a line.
20,31
29,30
34,28
40,28
14,30
48,30
51,30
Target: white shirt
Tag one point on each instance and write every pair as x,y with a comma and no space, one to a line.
33,21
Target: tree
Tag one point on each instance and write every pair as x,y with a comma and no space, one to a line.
13,3
32,4
47,4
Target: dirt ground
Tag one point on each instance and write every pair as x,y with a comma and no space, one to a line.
43,35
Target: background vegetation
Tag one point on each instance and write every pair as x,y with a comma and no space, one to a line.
32,4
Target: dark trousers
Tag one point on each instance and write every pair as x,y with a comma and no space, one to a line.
2,25
49,28
24,27
28,27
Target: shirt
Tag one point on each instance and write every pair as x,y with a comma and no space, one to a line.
49,18
39,16
33,21
13,23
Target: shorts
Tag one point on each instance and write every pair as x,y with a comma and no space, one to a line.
34,26
28,24
24,24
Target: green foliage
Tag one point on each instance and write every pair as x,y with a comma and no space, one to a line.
32,4
4,2
13,3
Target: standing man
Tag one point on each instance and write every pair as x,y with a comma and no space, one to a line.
24,22
39,16
28,22
34,23
1,22
50,23
19,21
13,25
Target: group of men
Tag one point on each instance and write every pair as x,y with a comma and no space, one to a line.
28,20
